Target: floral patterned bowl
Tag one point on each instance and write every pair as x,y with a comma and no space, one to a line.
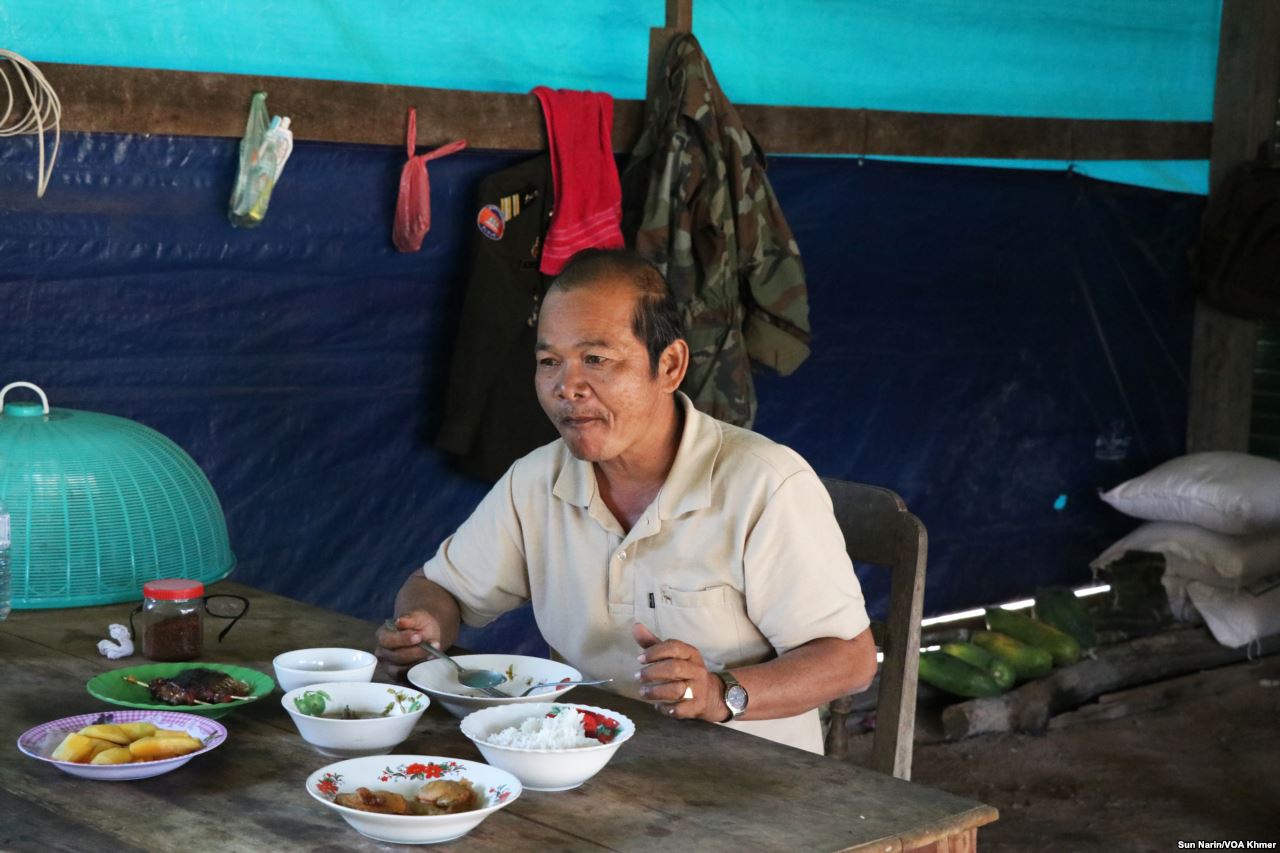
405,774
439,680
346,719
550,768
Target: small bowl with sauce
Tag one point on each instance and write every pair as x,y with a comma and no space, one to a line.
351,719
313,666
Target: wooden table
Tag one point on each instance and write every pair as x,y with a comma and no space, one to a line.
674,786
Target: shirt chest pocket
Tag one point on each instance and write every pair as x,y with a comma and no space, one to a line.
714,619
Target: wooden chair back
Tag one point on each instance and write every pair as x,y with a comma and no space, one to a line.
878,530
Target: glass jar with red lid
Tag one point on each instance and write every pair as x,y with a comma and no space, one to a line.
172,619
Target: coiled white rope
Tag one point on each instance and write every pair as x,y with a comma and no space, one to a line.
43,110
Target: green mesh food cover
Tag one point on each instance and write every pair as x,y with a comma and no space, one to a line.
99,504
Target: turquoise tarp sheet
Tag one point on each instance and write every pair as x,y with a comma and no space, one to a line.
1121,59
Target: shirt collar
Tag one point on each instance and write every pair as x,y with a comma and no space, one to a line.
688,485
576,482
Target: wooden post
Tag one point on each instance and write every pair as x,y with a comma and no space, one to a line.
679,20
1245,107
680,15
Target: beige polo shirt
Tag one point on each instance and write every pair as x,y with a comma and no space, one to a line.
739,555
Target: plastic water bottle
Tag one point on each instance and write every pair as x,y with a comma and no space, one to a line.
276,148
6,583
250,146
264,168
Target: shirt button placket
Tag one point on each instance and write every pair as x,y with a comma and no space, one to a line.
619,571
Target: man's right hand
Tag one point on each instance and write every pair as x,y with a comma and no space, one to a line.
428,614
399,647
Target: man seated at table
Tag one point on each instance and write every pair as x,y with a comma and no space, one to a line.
651,532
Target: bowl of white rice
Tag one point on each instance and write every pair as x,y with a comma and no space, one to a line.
548,746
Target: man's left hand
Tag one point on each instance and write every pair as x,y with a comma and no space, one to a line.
674,676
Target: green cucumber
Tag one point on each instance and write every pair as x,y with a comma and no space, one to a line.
998,668
1033,632
955,676
1027,661
1059,607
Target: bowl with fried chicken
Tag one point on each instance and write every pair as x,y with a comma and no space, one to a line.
413,799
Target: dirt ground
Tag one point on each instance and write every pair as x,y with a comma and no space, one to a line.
1206,768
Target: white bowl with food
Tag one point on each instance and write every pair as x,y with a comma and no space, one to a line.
347,719
439,680
312,666
548,746
118,746
413,799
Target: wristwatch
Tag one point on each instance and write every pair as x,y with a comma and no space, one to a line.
735,695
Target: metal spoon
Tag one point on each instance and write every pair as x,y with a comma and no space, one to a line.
562,684
476,679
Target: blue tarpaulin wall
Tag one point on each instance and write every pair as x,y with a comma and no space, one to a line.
982,339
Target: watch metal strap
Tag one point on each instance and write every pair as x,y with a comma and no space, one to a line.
729,681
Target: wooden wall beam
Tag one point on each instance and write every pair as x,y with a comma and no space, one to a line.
138,100
816,130
1246,104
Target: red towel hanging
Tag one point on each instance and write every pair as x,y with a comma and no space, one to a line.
588,195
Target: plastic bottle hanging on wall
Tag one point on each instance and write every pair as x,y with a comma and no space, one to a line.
265,148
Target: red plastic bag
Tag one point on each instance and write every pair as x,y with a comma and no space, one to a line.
413,207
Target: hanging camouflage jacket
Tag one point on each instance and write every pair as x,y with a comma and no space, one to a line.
710,221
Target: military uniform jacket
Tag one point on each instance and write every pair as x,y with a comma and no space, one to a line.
492,415
709,219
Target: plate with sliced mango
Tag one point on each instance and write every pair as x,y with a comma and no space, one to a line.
122,745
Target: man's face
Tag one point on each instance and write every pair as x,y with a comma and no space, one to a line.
593,376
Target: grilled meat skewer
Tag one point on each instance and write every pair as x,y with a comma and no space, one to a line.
197,686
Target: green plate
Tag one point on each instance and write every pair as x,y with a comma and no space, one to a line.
111,687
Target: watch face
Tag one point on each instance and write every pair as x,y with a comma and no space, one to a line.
736,698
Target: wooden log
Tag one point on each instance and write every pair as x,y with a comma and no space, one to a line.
1029,707
103,99
1151,697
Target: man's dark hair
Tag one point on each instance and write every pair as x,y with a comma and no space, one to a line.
657,320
